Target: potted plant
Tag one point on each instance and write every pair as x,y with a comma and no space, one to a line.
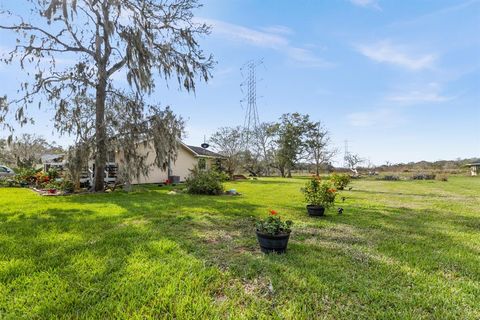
319,195
273,233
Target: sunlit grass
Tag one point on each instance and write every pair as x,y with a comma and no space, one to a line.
407,249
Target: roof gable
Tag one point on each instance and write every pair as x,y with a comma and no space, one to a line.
201,152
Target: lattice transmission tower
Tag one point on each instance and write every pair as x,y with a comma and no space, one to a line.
249,101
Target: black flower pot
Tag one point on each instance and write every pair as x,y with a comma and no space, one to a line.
315,211
273,243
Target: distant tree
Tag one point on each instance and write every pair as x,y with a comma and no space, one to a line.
27,150
317,142
6,157
264,145
229,143
292,129
353,160
103,38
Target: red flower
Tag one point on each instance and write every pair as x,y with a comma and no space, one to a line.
273,212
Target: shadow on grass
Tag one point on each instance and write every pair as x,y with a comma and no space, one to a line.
95,252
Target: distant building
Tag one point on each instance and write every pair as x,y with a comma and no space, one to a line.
474,168
53,161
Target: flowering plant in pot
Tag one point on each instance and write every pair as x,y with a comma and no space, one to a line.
273,233
319,195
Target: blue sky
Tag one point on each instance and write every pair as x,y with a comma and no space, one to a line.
400,80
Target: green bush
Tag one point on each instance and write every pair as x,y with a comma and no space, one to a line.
64,185
423,176
442,177
25,176
205,182
7,182
320,193
340,180
390,178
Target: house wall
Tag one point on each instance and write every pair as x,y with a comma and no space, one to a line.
474,170
185,161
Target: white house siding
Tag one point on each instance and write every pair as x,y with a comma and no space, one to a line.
186,160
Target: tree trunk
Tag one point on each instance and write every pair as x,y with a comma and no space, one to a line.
289,173
100,134
282,171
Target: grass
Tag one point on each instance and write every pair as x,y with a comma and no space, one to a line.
401,250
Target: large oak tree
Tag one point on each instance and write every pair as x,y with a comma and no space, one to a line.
77,47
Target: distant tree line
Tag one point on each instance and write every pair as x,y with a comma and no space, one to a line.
451,166
26,150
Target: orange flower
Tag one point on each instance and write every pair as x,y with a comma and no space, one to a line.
332,190
273,212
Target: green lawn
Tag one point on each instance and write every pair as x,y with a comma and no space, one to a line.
401,250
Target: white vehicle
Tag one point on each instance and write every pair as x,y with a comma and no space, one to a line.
6,172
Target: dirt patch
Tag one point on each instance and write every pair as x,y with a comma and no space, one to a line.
217,236
258,286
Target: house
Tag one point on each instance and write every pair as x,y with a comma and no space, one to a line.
54,161
187,158
474,168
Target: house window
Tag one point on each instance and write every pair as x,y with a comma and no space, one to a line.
111,156
202,164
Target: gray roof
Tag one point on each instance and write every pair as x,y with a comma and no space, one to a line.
199,151
49,158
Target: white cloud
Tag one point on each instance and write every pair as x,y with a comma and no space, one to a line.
278,29
380,117
273,37
366,3
431,93
386,52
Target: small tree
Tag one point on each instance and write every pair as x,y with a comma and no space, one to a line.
316,146
229,143
353,160
264,145
291,134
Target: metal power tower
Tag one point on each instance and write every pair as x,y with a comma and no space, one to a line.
249,101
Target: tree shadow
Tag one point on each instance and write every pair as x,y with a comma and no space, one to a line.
118,250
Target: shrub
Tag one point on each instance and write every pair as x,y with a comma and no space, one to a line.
442,177
273,225
52,174
64,185
25,176
390,178
205,182
423,176
41,179
6,182
320,193
340,180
